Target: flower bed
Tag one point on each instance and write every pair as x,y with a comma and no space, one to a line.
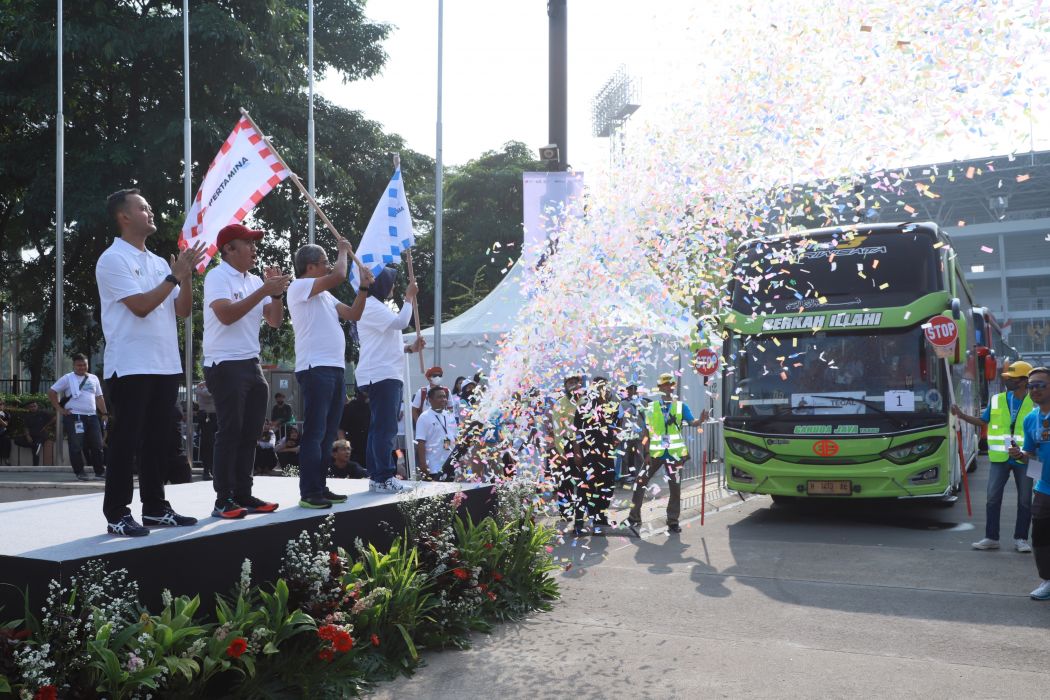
331,624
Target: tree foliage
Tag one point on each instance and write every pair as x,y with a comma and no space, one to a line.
123,121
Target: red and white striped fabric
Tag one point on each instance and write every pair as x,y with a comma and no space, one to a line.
243,172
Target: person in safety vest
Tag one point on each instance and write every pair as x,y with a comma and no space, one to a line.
664,446
562,431
1004,417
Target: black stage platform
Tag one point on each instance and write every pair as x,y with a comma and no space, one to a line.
51,538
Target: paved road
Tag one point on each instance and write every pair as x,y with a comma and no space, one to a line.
809,600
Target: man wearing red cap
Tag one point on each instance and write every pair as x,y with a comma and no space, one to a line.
420,401
235,301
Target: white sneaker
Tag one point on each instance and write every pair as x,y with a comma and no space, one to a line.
1022,546
986,544
1042,591
391,485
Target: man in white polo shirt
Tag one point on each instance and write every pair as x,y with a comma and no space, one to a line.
77,397
141,295
380,374
320,361
235,301
436,433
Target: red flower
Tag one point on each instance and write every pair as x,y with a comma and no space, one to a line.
497,576
47,692
326,655
343,642
461,574
375,640
482,587
238,646
488,545
491,595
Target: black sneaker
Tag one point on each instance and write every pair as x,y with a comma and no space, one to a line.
315,502
256,505
83,477
634,528
334,497
169,518
127,527
676,528
228,510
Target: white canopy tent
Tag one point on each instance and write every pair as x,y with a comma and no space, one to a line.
469,341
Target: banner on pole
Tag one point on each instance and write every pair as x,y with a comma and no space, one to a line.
390,232
548,197
243,172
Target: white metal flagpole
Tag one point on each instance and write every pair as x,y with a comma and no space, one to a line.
438,194
310,122
187,191
60,225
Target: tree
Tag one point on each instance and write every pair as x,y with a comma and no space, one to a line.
482,229
124,127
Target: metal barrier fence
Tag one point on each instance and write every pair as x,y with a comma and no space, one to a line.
706,441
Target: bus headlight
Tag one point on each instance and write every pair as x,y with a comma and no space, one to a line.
748,451
913,450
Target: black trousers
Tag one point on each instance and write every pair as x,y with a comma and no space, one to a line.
88,443
140,427
1041,534
207,444
240,392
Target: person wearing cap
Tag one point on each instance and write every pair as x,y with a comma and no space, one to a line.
1004,415
419,401
380,374
235,302
140,295
320,361
1036,456
664,446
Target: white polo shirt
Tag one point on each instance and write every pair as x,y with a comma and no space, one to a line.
84,403
438,432
239,340
382,348
136,345
319,339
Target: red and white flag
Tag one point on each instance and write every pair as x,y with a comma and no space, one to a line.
244,171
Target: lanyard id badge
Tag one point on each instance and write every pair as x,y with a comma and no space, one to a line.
665,442
78,427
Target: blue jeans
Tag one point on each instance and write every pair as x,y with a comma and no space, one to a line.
323,396
385,399
998,474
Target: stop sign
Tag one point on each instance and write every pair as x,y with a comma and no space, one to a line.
942,331
706,361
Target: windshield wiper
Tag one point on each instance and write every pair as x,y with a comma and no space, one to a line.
899,422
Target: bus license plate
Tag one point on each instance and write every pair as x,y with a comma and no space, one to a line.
829,488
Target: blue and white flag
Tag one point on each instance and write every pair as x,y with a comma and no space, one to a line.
389,231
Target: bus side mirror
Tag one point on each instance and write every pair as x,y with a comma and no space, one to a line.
956,309
990,367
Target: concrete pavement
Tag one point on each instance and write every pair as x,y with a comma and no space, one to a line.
829,599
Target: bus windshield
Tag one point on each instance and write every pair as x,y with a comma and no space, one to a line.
832,271
882,380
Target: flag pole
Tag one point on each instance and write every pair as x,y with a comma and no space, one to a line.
60,226
412,280
187,188
299,184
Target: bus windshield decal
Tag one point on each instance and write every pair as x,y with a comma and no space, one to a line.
817,322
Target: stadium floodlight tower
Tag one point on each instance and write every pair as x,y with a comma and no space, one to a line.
615,102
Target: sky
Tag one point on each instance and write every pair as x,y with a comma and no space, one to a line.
496,68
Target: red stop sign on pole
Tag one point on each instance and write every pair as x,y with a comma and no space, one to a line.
706,361
942,331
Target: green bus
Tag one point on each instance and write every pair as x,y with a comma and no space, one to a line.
830,387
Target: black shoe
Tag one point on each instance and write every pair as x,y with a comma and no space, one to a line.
334,497
169,518
206,476
633,528
83,477
256,505
315,502
676,528
581,530
127,527
100,477
228,510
